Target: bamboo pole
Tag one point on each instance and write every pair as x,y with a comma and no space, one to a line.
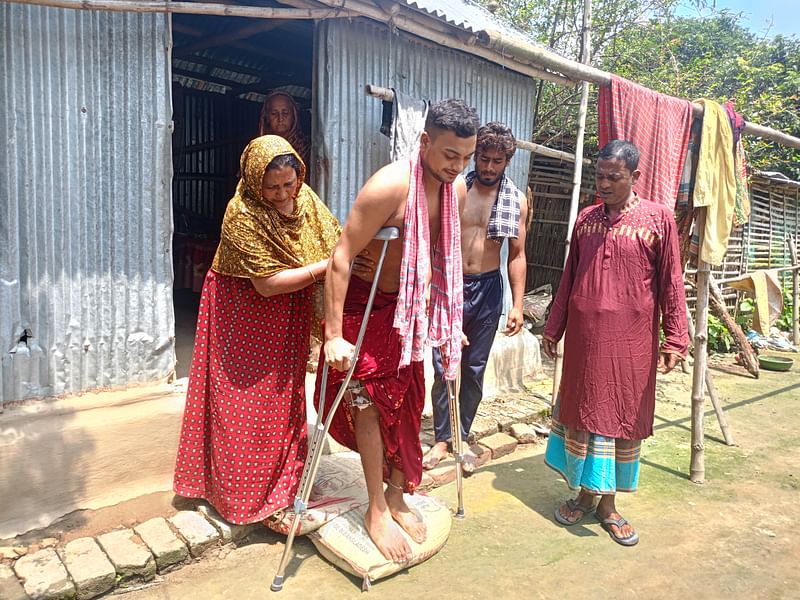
547,59
577,176
697,468
195,8
795,291
739,277
712,392
387,95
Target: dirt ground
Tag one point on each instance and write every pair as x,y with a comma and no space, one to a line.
735,536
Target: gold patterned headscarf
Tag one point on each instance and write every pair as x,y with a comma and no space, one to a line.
257,239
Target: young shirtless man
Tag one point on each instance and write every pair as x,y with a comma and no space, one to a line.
495,211
381,417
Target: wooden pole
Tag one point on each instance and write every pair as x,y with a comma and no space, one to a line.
697,467
577,176
712,392
513,53
795,292
195,8
717,306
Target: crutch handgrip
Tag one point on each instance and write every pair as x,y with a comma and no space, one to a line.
386,234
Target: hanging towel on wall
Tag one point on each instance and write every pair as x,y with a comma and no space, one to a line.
658,125
408,123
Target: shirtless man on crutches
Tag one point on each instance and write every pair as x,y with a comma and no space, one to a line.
419,302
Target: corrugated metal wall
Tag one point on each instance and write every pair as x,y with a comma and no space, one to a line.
85,260
353,53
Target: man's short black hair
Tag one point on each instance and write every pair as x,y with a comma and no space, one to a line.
453,115
622,150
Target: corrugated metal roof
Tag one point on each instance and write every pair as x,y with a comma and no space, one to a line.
464,15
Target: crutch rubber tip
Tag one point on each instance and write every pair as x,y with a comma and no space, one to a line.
277,584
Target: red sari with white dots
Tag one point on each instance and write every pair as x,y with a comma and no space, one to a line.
243,439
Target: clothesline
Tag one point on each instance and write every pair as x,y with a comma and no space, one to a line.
574,70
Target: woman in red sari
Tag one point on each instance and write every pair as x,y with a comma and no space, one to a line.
243,439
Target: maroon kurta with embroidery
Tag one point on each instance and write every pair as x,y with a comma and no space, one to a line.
618,277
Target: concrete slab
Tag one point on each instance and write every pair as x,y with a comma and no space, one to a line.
132,560
12,552
228,532
200,535
44,577
444,473
499,444
89,567
10,587
167,549
483,455
524,433
483,427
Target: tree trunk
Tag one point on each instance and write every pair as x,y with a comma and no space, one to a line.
717,306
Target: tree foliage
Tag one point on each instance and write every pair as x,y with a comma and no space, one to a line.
711,57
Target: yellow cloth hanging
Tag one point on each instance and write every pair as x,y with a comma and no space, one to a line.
715,182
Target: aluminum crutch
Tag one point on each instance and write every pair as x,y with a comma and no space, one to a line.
316,442
453,398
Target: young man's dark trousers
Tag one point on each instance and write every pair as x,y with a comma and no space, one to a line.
483,305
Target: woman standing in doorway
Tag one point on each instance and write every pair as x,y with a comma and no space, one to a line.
280,115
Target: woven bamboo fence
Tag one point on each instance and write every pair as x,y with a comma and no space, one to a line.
551,186
774,215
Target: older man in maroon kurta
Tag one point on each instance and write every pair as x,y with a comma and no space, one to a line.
623,272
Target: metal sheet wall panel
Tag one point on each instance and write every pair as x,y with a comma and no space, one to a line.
85,207
353,53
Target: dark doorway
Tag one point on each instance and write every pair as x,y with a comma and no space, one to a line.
222,69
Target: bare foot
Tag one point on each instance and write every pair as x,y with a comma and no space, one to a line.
435,455
404,517
387,537
469,461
